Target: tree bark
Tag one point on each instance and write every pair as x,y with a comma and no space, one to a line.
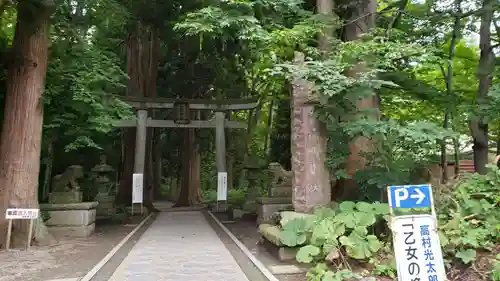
448,76
124,193
183,198
157,162
142,66
361,20
23,119
48,161
478,128
149,58
190,187
134,88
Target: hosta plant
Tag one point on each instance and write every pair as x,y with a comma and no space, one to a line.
336,234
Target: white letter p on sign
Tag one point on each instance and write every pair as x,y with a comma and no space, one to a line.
400,194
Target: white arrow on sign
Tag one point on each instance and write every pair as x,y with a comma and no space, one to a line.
419,195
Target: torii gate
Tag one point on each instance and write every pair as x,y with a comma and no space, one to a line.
181,108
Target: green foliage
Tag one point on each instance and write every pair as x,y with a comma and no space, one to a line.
329,234
470,216
495,272
321,272
399,150
235,197
78,100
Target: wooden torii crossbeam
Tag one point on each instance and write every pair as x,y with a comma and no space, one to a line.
220,122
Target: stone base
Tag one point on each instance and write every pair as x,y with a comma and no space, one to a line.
74,219
250,207
73,231
65,197
137,210
71,217
271,241
106,207
282,191
238,214
280,252
221,207
268,207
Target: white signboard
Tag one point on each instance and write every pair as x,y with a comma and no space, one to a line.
221,186
417,248
137,188
21,214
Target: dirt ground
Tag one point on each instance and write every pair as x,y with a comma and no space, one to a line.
69,258
247,232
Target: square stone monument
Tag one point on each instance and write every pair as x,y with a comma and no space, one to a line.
69,216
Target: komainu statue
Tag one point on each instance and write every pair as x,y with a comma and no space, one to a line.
280,176
68,181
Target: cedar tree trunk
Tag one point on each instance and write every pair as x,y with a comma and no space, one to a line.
22,129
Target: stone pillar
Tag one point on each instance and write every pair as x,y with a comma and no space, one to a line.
140,141
311,180
220,152
220,142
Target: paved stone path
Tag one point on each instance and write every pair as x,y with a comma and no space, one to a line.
179,246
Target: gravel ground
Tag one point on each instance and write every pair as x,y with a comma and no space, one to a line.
68,258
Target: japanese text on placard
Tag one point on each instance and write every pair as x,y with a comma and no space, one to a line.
411,252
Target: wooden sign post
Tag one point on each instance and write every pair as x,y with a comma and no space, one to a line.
20,214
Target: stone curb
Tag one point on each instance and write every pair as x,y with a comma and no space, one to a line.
260,266
113,251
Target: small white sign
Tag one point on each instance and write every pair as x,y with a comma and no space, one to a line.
417,248
137,188
221,186
21,214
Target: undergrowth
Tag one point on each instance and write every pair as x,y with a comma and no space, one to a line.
333,240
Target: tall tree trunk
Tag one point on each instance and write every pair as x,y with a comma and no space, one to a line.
190,193
185,183
149,58
149,173
448,76
269,126
361,20
195,171
157,161
479,129
124,193
23,119
48,161
142,66
134,88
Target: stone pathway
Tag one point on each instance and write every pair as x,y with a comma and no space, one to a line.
179,246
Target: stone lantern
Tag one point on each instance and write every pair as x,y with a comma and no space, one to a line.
105,188
254,169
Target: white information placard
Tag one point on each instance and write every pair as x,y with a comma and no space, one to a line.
137,188
21,214
417,248
221,186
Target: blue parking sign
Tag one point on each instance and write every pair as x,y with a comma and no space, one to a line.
410,196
